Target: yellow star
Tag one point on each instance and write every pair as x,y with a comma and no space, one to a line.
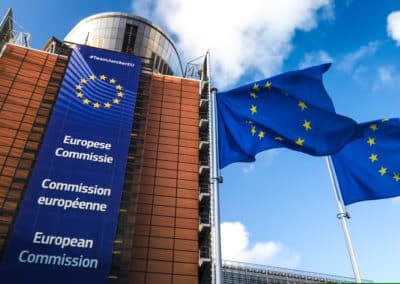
307,125
261,135
112,81
96,105
253,109
92,77
302,105
79,95
396,177
83,81
278,138
382,171
371,141
86,101
253,95
103,77
256,87
116,101
118,87
253,130
120,94
268,85
373,127
373,157
78,87
385,119
107,105
299,141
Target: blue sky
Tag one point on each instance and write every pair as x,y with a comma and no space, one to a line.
281,209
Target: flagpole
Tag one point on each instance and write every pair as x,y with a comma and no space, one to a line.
342,215
215,180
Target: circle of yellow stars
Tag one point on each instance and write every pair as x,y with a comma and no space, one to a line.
253,110
374,157
96,104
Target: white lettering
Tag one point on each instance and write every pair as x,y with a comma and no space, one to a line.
75,204
86,143
60,152
79,188
26,256
40,238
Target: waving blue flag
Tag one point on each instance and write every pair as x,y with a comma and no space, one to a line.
291,110
369,167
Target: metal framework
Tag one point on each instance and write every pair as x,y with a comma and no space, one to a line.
239,272
8,33
206,267
6,28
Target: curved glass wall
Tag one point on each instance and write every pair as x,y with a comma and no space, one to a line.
131,34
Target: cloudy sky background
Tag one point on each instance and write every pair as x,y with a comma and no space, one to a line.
254,39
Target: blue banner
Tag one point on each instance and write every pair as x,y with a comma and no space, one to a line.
67,221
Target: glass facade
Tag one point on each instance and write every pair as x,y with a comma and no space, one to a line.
131,34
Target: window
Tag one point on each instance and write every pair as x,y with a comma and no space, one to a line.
129,38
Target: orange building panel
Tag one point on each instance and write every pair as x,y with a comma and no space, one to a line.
168,197
26,99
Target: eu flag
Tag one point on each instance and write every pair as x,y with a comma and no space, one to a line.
291,110
369,167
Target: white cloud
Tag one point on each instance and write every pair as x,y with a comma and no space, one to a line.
249,168
235,246
244,37
387,77
393,26
315,58
386,74
350,60
264,160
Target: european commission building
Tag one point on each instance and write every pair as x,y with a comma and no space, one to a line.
104,161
